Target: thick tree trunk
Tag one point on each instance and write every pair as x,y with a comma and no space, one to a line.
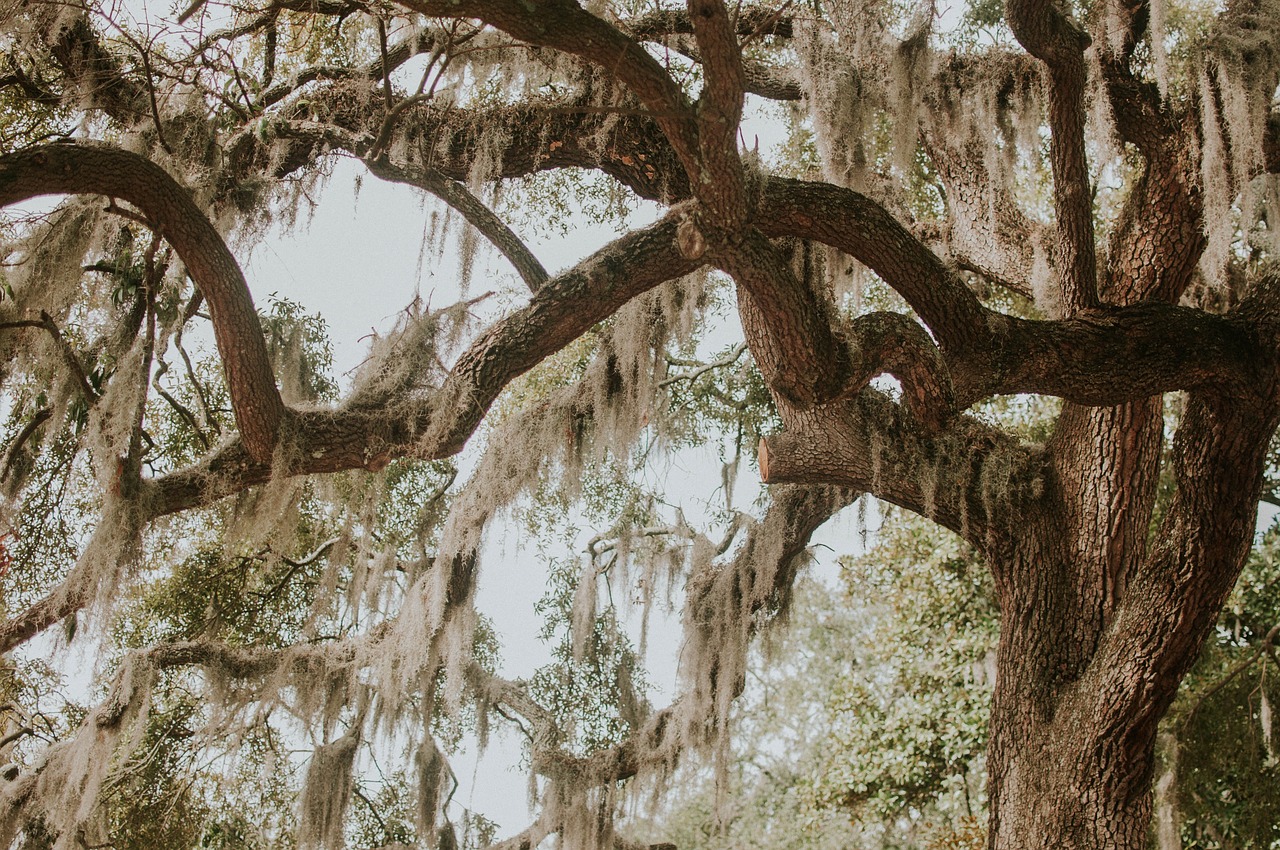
1100,625
1058,777
1061,781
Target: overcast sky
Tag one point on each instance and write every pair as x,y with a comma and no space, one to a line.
357,262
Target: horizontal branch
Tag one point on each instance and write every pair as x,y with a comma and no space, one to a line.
967,478
566,26
436,422
748,22
1110,355
1103,356
623,143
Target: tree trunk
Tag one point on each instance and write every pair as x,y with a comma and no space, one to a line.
1099,624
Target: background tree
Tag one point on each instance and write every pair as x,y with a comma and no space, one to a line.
1069,201
865,727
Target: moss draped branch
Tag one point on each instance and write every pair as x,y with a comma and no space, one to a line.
86,168
1050,36
566,26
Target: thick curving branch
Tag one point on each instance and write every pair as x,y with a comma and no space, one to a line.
794,341
566,26
1104,356
1109,356
862,228
748,22
83,168
1160,235
971,478
893,344
437,422
1196,557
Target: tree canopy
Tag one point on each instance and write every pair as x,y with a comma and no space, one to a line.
1066,205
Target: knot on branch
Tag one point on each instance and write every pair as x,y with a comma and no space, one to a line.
1046,32
886,343
690,242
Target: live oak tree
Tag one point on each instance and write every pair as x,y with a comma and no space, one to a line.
1070,201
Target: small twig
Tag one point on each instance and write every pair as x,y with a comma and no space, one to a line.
209,420
1265,647
382,825
11,453
13,736
235,75
46,323
728,360
112,207
149,76
600,544
181,409
294,566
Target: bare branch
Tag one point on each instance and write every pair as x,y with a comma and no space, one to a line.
69,356
11,451
1266,646
863,229
702,369
457,195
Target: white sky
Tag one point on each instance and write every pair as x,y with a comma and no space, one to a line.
357,262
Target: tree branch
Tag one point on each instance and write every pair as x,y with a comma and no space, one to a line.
457,196
1268,642
46,323
1050,36
967,478
438,422
79,168
788,323
11,451
719,181
566,26
860,227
